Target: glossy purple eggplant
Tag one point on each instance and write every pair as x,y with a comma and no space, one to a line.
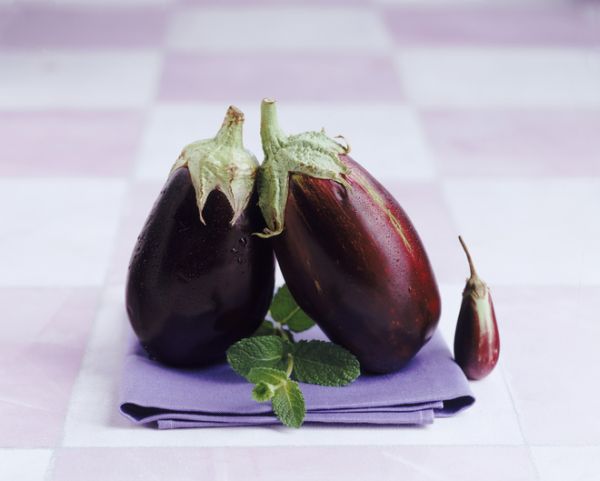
476,340
348,252
198,279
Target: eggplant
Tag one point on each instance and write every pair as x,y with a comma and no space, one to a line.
198,279
349,254
476,339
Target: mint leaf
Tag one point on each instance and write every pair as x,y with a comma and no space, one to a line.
261,351
265,329
285,310
262,392
274,377
288,404
324,363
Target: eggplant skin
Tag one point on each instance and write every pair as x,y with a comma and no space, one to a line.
476,340
194,289
369,289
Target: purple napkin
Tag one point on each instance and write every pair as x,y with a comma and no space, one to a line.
430,386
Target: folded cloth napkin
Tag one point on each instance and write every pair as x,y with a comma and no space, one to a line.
430,386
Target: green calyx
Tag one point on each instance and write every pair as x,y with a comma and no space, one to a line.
311,153
223,164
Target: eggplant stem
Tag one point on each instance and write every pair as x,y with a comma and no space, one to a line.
230,132
270,132
469,258
233,115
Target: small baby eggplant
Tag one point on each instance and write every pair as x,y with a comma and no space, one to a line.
349,254
198,279
476,340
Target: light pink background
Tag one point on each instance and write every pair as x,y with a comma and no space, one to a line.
481,116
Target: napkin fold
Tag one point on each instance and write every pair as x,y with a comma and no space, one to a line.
430,386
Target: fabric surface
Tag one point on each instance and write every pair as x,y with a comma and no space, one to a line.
430,386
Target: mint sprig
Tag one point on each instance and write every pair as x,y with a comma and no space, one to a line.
273,362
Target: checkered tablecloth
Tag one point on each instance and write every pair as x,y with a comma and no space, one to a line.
481,116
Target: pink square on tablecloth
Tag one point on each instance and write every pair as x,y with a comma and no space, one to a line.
543,25
31,26
69,143
44,334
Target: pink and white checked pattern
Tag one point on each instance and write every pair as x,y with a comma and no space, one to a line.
481,116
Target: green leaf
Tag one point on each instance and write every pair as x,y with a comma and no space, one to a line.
265,329
288,404
324,363
285,310
261,351
262,392
267,375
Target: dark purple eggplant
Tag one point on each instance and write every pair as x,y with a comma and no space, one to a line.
198,279
349,254
476,340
